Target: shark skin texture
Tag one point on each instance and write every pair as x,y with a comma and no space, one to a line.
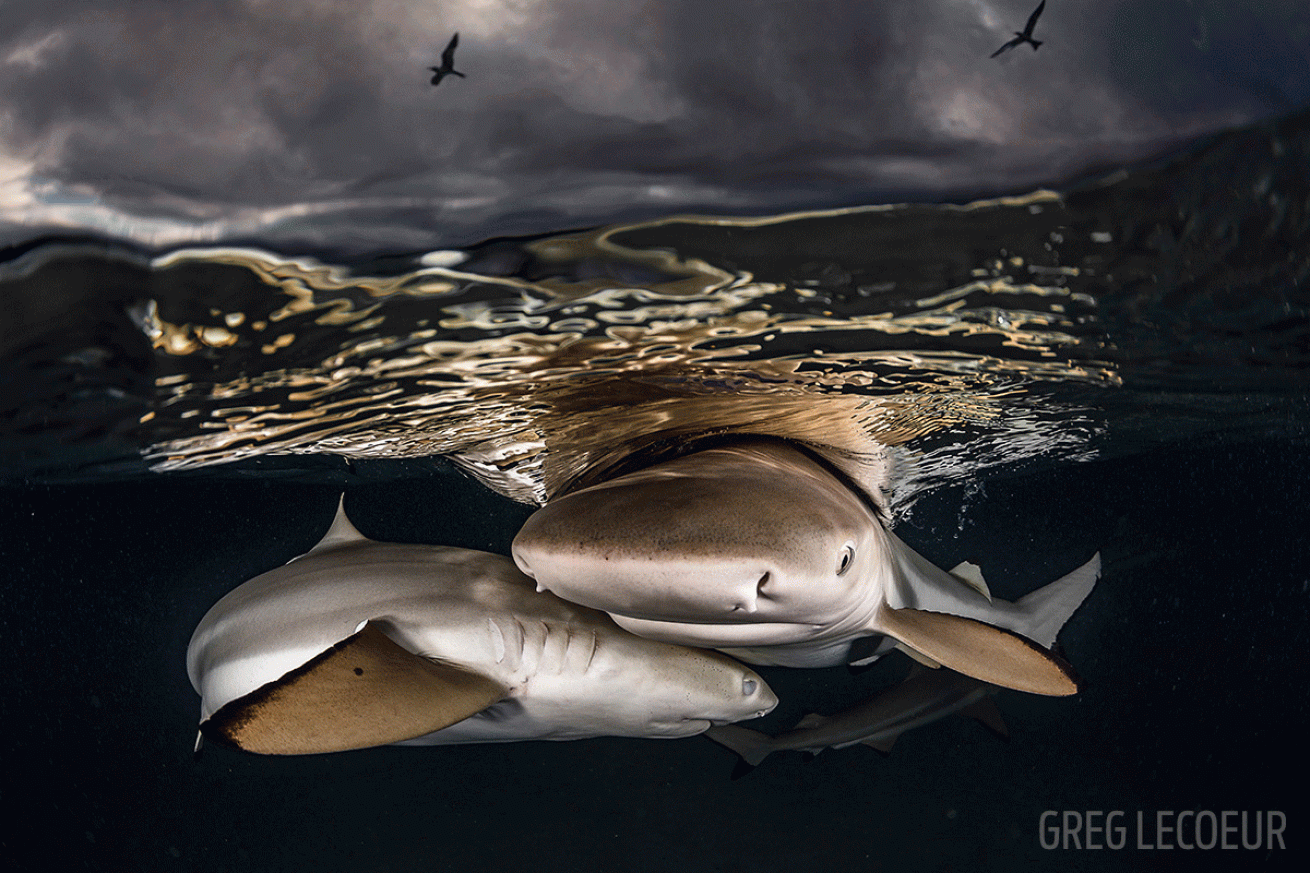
759,549
360,643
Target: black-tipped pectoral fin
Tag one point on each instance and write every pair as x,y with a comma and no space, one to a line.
980,650
364,691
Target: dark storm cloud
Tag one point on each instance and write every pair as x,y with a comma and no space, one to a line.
578,110
215,99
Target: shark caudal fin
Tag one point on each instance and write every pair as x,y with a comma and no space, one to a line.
752,746
1047,609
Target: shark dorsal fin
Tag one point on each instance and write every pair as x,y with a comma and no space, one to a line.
980,650
364,691
341,533
971,575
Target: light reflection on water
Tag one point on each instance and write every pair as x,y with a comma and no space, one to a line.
529,383
913,345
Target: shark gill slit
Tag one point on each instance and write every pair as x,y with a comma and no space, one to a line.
497,640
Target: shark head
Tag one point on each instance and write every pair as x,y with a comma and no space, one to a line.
744,545
760,550
682,694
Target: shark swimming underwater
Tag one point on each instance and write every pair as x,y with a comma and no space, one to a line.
759,549
923,697
360,643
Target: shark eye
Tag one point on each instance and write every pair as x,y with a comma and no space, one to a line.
846,559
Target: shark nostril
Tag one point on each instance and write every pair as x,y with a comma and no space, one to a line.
749,600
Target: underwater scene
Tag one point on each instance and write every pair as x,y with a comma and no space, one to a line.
1079,408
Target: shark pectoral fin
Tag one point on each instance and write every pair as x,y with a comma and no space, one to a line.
980,650
752,746
364,691
988,714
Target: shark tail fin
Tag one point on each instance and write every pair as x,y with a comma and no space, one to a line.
1048,608
752,746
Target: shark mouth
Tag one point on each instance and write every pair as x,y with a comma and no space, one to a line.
716,634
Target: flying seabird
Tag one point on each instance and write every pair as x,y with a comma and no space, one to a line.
447,67
1027,34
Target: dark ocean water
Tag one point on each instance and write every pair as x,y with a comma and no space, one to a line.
1123,366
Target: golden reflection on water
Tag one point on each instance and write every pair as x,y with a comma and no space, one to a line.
530,384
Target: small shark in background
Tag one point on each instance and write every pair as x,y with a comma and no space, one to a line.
447,67
1026,36
925,696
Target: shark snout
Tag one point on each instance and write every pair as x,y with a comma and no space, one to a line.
759,695
755,697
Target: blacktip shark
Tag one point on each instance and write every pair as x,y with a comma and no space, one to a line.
759,549
923,697
360,643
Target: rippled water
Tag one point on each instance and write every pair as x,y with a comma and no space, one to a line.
913,344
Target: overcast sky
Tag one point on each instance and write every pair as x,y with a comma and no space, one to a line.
169,119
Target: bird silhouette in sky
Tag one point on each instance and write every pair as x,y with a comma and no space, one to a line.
447,67
1027,35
